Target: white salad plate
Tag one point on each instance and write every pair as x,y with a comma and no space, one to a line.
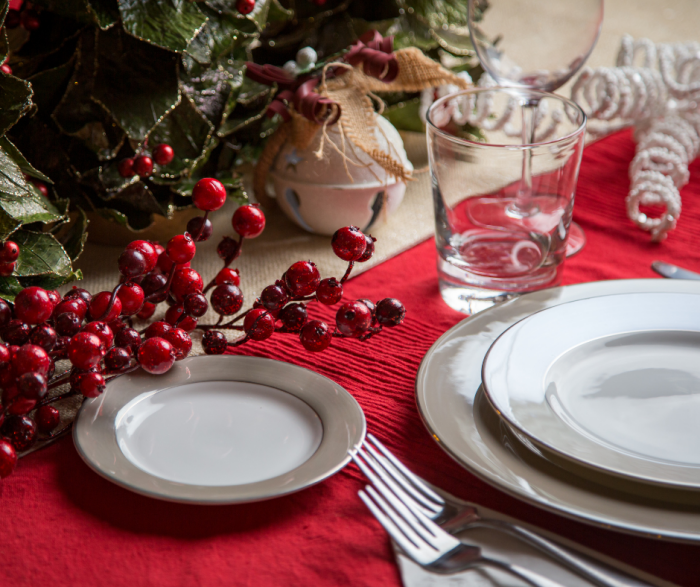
463,423
611,382
219,430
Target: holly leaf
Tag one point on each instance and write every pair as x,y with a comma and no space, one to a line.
50,85
436,13
4,46
50,281
26,167
73,239
10,288
79,10
170,24
106,12
40,253
136,82
15,100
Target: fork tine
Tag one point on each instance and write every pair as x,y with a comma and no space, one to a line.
392,529
417,482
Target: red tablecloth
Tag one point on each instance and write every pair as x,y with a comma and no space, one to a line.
61,524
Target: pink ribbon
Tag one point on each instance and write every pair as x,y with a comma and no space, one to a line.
375,53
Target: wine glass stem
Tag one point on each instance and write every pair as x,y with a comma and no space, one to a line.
523,204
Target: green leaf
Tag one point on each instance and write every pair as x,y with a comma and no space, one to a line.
405,115
79,10
4,46
9,288
26,167
436,13
136,82
40,254
278,12
50,85
73,240
170,24
114,216
50,281
106,12
4,7
15,100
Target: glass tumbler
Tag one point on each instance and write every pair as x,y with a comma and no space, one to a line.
503,205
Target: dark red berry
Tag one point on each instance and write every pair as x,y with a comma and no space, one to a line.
20,431
117,358
316,336
41,186
181,249
163,154
302,278
148,250
157,329
85,350
153,282
91,384
7,269
209,194
74,305
100,304
44,336
21,406
128,337
143,166
353,319
228,249
214,342
54,296
329,292
5,313
9,252
248,221
132,263
79,292
371,306
227,275
195,305
132,297
4,355
186,281
30,357
156,355
174,316
103,331
369,249
226,299
181,341
259,324
60,351
349,243
13,19
200,229
293,317
147,311
33,305
245,6
390,312
274,297
30,20
126,168
8,454
16,332
32,385
67,324
47,418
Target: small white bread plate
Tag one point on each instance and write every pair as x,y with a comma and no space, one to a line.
220,429
611,382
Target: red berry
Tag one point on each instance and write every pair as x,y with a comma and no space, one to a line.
5,313
245,6
181,249
47,418
54,296
153,282
329,291
390,312
129,338
293,317
103,331
30,357
30,20
258,324
7,269
302,278
13,19
173,315
148,250
33,305
117,358
75,305
41,186
32,385
248,221
67,324
353,319
20,431
165,263
316,336
91,384
126,168
132,263
349,243
274,297
228,249
79,292
227,275
200,229
214,342
226,299
181,341
44,336
195,305
163,154
147,311
6,69
8,458
85,350
131,296
16,332
369,248
186,281
4,355
9,252
209,194
157,329
21,406
156,355
143,166
99,305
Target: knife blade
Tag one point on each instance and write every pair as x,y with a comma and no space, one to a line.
671,271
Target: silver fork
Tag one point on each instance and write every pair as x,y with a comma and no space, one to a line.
383,469
433,548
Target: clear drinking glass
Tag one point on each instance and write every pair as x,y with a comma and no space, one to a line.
493,240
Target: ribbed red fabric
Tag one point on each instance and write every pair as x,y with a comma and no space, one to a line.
61,524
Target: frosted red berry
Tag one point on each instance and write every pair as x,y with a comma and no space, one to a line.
157,329
214,342
228,249
153,282
390,312
6,313
163,154
353,319
186,281
200,228
85,350
156,355
132,263
302,278
32,385
54,296
245,6
126,168
9,252
147,311
248,221
316,336
67,324
226,299
79,292
33,305
369,248
47,418
128,337
349,243
44,336
30,357
181,249
117,358
100,304
181,341
148,250
16,332
103,331
259,324
371,306
91,384
132,297
20,431
209,194
8,458
76,305
329,292
293,317
195,305
227,275
143,166
274,297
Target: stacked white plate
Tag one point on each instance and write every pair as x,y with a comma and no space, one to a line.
590,404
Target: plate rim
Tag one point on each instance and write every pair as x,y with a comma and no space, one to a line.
572,511
356,440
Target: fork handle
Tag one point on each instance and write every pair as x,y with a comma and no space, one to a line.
534,579
563,555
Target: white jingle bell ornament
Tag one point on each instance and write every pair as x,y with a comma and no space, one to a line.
342,187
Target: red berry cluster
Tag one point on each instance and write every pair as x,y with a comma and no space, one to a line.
142,165
8,258
96,334
245,6
27,18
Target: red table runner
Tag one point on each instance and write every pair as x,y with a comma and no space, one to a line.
62,524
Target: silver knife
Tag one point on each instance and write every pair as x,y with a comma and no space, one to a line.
668,270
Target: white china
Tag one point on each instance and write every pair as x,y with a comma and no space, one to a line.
611,382
463,423
220,429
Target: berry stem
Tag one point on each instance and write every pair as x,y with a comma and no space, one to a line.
55,398
112,300
230,259
166,288
201,228
351,264
58,433
61,379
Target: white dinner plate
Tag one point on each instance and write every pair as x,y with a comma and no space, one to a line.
611,382
220,429
465,426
